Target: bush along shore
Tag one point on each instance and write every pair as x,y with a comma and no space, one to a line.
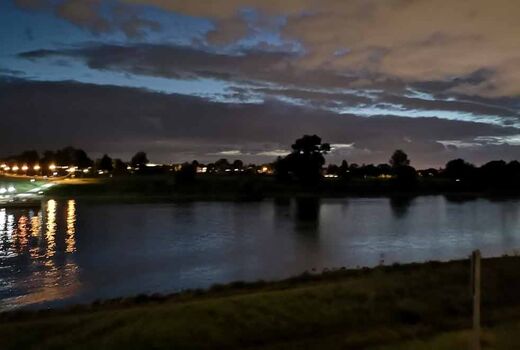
413,306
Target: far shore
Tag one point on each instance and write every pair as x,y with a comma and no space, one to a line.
254,188
165,188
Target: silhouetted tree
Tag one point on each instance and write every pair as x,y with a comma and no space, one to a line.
307,159
494,173
221,165
399,158
81,159
459,169
343,170
238,164
48,158
29,157
384,169
186,174
430,172
212,168
333,169
119,167
406,176
139,160
105,163
281,169
513,172
68,156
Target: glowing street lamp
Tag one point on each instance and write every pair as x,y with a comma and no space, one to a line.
52,167
25,168
36,167
15,168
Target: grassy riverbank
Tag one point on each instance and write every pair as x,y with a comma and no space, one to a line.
418,306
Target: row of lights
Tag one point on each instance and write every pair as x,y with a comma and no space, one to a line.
6,167
52,167
9,189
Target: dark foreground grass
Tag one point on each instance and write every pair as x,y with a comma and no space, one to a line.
417,306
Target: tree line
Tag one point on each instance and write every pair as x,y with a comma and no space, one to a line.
305,164
75,157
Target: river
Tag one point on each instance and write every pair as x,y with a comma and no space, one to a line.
70,251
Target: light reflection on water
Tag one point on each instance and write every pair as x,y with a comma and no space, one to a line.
74,252
33,269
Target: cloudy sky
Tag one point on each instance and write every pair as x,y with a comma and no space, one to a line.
206,79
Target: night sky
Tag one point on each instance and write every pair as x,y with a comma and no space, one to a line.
209,79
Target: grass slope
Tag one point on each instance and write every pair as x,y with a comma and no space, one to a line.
418,306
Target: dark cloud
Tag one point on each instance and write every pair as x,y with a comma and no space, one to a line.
175,61
177,127
274,74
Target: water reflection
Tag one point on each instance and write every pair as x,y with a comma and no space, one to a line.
71,227
36,260
50,233
400,205
458,198
307,215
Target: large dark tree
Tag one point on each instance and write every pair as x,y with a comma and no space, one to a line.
119,167
222,164
29,157
139,160
186,174
405,174
105,163
459,169
238,164
306,160
81,159
399,158
68,156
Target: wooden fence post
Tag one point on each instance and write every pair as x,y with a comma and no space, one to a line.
475,287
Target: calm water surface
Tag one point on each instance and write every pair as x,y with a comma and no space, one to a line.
69,251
